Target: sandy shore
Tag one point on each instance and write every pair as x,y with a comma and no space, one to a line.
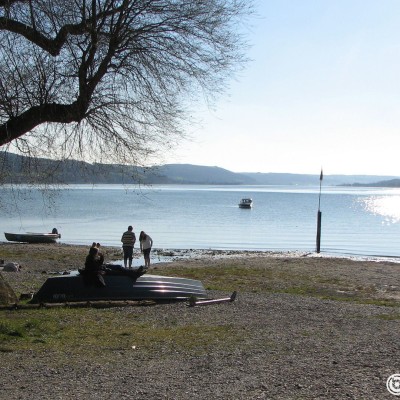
302,327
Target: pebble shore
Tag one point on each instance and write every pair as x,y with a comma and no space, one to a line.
284,346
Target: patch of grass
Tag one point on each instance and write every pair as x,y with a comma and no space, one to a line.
8,330
379,302
358,297
190,337
58,253
259,280
18,253
268,279
388,317
11,330
233,277
91,332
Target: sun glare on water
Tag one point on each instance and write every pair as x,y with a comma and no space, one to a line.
386,206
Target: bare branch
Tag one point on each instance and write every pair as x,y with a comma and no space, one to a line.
118,73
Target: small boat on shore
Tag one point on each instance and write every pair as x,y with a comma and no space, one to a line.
31,237
118,286
246,203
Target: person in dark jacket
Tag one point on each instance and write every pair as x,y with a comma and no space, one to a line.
94,269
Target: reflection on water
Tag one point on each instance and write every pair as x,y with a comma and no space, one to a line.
386,206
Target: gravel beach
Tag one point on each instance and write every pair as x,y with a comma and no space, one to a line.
303,327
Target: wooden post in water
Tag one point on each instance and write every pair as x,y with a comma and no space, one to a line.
319,231
319,217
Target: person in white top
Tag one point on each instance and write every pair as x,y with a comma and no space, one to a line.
146,243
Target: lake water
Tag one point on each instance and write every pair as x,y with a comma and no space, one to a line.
355,221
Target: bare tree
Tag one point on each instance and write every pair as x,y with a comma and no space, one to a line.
111,80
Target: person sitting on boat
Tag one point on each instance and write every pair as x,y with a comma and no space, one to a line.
99,253
94,269
146,243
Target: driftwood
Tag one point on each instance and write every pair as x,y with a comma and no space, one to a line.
80,304
193,302
109,303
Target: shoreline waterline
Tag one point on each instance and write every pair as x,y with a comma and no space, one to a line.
164,255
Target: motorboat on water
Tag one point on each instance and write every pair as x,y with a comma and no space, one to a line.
121,284
246,203
31,237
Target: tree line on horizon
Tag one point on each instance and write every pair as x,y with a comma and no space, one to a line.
19,169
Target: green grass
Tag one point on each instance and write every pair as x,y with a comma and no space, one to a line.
235,277
389,317
359,297
90,332
52,252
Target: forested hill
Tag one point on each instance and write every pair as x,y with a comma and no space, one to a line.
15,168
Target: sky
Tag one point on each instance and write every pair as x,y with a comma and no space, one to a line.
322,90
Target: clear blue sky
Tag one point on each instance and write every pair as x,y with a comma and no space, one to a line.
322,89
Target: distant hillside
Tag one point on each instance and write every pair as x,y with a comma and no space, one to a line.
305,179
194,174
392,183
14,169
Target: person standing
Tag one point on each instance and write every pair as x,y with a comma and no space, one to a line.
146,243
128,240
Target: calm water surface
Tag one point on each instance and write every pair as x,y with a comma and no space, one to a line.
354,221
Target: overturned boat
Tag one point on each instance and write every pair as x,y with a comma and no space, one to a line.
129,285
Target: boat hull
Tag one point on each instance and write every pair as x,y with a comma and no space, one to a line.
118,287
246,203
32,237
